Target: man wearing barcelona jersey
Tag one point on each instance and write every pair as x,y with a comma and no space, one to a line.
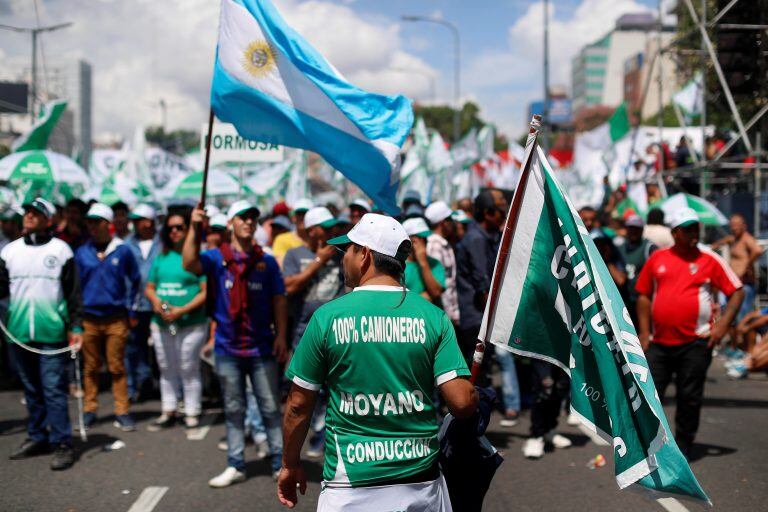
381,351
250,311
676,289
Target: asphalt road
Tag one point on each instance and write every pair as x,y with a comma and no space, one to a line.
167,472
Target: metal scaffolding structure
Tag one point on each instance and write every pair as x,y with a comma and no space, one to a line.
720,170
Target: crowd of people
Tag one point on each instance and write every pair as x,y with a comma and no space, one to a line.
153,294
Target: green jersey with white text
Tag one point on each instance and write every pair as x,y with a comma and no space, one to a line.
381,353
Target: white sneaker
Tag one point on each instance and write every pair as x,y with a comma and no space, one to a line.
558,441
262,450
533,448
509,419
228,477
222,444
191,421
573,420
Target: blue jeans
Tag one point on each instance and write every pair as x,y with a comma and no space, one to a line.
137,354
45,380
254,425
749,302
510,388
262,374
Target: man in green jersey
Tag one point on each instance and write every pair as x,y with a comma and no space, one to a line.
380,351
424,274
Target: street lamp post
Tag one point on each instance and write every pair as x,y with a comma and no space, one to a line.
456,67
35,31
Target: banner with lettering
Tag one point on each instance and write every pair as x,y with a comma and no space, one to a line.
557,302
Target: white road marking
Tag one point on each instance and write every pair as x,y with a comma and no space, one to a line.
199,433
148,499
599,441
671,505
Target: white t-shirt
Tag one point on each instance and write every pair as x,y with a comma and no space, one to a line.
422,497
145,246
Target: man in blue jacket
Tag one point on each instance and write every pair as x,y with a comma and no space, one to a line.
110,281
145,245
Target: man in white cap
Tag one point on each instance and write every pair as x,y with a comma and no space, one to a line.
381,352
676,298
440,218
110,279
292,239
313,276
357,209
249,308
145,244
44,310
423,274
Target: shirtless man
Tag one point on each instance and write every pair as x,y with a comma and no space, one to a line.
744,251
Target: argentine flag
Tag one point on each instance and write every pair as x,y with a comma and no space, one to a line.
274,87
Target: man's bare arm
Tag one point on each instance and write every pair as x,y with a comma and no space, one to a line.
190,253
644,320
461,397
298,414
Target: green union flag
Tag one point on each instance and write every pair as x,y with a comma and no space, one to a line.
556,301
38,135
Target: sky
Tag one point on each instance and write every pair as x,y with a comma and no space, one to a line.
143,51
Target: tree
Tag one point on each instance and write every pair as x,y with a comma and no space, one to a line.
440,118
179,142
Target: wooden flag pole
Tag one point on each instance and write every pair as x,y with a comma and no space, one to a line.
207,159
506,240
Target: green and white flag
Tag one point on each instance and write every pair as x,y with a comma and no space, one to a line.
556,301
690,98
38,135
485,139
466,151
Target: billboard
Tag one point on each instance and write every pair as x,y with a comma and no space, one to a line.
560,111
14,97
228,146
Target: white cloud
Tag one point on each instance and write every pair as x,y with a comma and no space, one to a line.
518,68
145,50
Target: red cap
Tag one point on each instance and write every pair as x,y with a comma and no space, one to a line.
280,209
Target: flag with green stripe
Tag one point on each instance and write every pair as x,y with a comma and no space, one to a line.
556,301
38,135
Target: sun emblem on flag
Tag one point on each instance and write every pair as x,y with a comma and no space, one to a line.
259,59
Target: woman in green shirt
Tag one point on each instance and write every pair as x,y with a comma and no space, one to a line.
179,327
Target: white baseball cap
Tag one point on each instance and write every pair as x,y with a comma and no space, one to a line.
379,233
361,203
41,205
437,212
302,205
100,211
239,208
684,218
143,211
416,227
211,210
218,221
319,216
461,216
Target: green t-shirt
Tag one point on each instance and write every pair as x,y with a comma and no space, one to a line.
381,361
176,286
413,280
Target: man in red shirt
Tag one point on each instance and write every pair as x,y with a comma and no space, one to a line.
676,289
